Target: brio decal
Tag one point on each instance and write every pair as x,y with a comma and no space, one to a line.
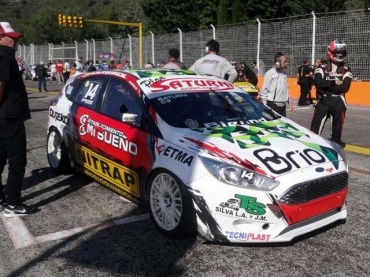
58,116
293,159
175,154
107,134
243,206
90,93
190,84
247,236
120,176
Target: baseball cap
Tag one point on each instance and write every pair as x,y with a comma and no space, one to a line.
7,30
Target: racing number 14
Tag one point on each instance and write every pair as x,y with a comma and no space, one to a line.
251,205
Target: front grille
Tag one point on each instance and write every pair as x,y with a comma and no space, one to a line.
314,189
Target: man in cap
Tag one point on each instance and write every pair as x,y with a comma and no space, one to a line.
214,64
14,110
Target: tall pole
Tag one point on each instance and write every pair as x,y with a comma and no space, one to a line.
213,31
180,34
87,50
153,60
258,44
130,46
313,37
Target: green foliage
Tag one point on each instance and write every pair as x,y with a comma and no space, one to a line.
38,19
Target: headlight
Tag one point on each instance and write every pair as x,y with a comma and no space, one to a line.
238,176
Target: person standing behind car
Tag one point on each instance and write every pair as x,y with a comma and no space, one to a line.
305,82
53,72
14,110
275,90
42,73
173,61
66,70
332,82
59,67
212,63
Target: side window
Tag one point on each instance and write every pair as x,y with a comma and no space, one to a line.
89,91
121,98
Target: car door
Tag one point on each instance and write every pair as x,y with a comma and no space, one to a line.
120,153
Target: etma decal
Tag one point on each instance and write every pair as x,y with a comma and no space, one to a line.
175,154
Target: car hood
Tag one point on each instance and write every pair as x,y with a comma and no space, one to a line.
270,148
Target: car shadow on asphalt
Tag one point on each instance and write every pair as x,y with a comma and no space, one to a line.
70,184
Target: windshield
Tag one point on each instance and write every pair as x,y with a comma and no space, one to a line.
211,109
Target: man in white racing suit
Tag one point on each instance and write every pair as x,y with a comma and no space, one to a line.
214,64
275,90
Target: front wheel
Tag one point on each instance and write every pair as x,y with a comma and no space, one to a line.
57,151
171,207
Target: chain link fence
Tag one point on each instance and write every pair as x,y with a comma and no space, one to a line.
297,37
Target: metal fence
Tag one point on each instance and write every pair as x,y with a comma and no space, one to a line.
297,37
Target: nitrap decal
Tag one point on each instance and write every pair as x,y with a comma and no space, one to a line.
243,206
292,159
99,166
175,154
107,134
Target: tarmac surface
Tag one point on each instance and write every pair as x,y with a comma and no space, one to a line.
83,229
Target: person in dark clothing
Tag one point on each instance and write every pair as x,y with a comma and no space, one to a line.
332,81
90,66
42,73
305,75
249,75
14,110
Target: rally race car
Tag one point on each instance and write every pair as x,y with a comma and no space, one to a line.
182,145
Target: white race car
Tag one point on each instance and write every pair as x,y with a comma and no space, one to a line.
183,145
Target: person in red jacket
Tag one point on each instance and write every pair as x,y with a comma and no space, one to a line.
59,67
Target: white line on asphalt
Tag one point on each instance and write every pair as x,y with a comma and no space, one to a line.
21,237
18,232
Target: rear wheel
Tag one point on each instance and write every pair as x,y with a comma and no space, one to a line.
57,152
171,207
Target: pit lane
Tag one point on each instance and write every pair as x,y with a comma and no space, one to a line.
83,229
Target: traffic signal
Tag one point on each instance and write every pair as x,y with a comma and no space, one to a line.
60,17
70,21
80,22
75,22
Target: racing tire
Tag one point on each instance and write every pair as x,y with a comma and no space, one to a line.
57,152
170,206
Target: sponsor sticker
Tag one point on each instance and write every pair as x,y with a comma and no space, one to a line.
121,176
247,236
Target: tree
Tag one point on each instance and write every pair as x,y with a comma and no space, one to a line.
222,13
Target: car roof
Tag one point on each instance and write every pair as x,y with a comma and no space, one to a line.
158,81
